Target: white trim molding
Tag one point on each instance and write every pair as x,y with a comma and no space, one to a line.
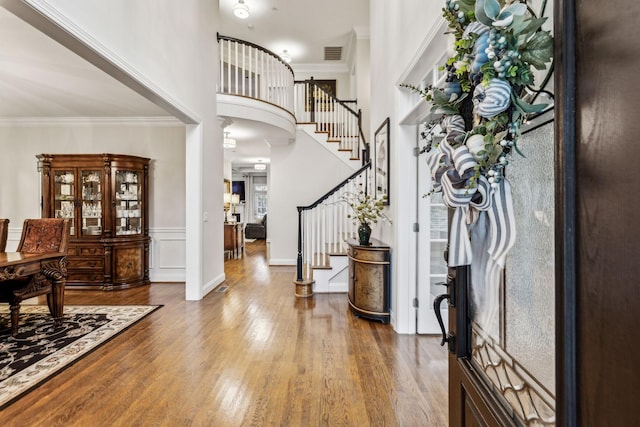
167,255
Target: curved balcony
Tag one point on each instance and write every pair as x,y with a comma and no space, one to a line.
249,72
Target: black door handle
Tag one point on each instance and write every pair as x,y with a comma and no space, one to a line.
446,337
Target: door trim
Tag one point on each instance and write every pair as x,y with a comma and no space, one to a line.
565,188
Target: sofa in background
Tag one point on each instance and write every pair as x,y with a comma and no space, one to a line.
256,230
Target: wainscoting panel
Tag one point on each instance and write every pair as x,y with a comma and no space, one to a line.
167,254
167,260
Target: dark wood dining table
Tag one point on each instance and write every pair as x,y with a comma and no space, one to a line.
15,265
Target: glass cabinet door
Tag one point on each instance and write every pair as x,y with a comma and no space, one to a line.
128,191
64,196
91,203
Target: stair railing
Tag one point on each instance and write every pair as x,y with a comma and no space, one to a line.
337,118
247,69
325,224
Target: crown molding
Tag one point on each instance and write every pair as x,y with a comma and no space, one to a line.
89,121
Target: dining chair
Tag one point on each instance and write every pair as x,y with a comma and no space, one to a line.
4,229
45,235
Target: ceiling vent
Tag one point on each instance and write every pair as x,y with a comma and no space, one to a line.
332,53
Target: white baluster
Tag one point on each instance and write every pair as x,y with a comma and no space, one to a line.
244,69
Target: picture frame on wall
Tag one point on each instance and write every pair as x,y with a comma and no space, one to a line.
382,138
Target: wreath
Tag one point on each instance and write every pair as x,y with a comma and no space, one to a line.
486,97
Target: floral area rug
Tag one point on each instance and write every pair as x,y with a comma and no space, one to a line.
40,351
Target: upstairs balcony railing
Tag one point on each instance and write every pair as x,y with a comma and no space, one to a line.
340,120
247,69
252,71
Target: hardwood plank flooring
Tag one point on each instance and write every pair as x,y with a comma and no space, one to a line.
253,355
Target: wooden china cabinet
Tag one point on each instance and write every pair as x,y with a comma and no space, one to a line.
106,197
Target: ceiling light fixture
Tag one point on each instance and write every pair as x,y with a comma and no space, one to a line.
241,10
228,142
260,166
285,56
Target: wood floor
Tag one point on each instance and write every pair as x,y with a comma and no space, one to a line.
253,355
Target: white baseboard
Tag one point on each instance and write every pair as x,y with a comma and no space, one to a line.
281,261
212,284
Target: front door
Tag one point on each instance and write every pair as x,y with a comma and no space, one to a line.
501,334
502,369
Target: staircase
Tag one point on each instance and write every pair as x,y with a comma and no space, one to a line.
251,71
324,225
323,114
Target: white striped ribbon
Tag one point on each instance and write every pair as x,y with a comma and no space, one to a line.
451,169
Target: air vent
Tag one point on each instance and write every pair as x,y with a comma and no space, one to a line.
332,53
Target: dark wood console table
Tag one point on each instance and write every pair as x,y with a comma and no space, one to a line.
53,266
234,238
369,278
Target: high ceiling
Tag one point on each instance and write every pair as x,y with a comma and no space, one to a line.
302,27
41,79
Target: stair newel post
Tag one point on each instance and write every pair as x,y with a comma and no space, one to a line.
365,155
299,260
312,99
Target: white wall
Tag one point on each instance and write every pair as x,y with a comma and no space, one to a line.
321,171
170,47
363,82
398,29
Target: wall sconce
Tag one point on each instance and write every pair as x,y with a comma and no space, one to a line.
285,56
228,142
260,166
241,10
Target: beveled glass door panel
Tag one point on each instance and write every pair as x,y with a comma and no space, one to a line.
513,315
128,191
91,202
64,196
513,338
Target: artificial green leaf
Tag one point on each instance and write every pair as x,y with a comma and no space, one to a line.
445,109
480,15
439,97
466,6
518,25
504,20
516,9
525,107
534,24
491,9
538,50
515,145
